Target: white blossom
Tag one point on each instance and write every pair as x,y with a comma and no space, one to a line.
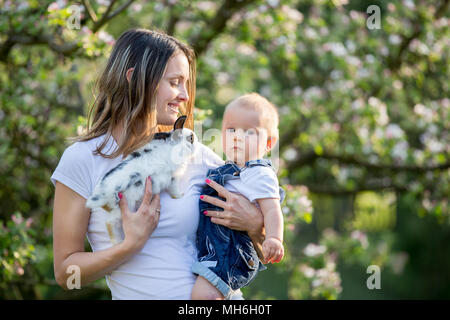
357,104
314,250
312,92
292,14
395,39
382,118
106,37
310,33
393,131
206,5
361,237
297,91
307,271
399,151
337,48
363,133
424,112
104,2
290,154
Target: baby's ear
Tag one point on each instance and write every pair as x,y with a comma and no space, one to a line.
271,141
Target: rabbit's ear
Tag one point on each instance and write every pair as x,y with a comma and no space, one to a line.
179,124
176,135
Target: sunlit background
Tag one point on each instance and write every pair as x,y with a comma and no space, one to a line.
364,130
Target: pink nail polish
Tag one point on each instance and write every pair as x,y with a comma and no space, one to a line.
149,178
201,197
120,195
205,212
208,181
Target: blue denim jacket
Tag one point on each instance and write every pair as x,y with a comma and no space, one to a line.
226,257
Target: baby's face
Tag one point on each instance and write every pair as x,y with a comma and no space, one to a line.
244,137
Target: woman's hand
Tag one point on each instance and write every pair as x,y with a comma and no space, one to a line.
139,225
239,214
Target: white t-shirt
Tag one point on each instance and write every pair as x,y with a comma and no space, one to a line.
257,182
162,269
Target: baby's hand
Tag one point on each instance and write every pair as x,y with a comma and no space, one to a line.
273,250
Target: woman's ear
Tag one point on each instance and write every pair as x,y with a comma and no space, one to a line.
271,141
129,74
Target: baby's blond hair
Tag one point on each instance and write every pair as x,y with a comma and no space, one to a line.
264,107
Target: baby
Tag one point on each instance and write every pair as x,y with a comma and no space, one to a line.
227,259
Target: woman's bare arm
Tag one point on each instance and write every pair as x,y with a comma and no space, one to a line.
70,222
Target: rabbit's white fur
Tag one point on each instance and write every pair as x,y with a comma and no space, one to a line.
164,159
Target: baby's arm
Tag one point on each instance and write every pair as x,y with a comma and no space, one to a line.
273,221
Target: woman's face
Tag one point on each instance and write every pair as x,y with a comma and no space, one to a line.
172,91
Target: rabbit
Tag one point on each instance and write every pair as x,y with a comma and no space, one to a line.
164,158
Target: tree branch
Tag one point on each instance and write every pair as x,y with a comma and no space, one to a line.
217,24
325,189
90,10
311,157
5,48
63,48
394,63
107,16
174,18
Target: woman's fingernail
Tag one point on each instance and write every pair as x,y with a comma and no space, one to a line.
205,212
149,178
201,197
208,181
120,195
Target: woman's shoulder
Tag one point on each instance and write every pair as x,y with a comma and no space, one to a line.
85,149
77,151
78,167
79,156
74,168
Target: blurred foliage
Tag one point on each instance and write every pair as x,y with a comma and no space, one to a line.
374,212
18,247
364,132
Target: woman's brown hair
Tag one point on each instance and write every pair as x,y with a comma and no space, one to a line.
134,102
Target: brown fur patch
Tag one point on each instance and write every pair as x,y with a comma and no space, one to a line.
107,208
109,227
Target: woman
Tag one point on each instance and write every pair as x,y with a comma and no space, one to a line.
149,79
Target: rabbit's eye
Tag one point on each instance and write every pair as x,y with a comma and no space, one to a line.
190,138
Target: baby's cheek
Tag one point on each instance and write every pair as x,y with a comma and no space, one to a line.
253,146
